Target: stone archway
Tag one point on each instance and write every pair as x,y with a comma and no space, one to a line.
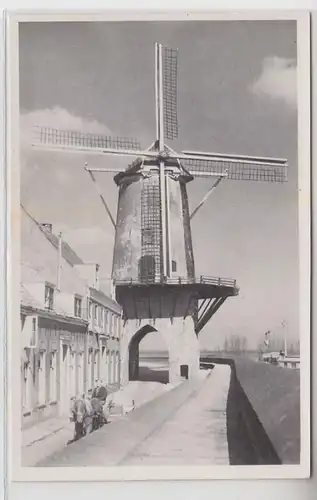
179,338
135,373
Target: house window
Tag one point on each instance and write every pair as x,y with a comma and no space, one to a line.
77,307
174,266
95,312
49,297
101,317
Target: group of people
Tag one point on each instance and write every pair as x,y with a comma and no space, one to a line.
89,414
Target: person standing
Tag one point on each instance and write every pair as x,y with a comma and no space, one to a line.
100,391
88,421
96,389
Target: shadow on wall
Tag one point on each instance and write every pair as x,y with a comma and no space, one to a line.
248,441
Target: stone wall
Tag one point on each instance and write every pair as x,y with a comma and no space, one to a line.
263,412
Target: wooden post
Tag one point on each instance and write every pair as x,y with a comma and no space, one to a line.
168,225
157,107
160,98
285,338
160,137
163,216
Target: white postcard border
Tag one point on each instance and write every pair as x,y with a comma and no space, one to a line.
19,473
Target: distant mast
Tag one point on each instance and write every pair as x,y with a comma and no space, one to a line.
284,325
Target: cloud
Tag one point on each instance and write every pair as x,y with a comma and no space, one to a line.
56,118
277,81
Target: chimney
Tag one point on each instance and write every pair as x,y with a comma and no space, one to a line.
47,227
96,284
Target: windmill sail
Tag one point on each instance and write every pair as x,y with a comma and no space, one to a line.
237,168
73,139
170,61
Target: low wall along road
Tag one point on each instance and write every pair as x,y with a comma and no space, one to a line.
263,412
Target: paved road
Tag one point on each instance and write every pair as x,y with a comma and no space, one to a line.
51,435
48,438
197,432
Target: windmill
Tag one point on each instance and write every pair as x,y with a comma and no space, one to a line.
153,263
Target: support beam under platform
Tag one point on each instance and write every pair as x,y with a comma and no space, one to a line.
208,313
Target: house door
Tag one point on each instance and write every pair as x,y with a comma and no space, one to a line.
114,367
42,370
64,382
92,369
80,373
107,376
97,364
109,367
52,376
72,375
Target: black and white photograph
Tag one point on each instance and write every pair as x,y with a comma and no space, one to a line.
160,258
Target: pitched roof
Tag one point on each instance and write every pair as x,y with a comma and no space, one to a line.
67,252
105,300
27,299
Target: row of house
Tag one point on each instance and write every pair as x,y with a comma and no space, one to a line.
70,328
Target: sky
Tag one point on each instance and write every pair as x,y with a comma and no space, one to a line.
236,94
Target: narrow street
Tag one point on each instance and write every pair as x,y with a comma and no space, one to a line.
50,436
186,425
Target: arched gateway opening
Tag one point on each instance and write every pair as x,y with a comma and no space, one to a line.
148,367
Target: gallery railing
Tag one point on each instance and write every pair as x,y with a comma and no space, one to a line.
207,280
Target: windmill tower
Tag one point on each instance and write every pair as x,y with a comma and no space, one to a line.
153,263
